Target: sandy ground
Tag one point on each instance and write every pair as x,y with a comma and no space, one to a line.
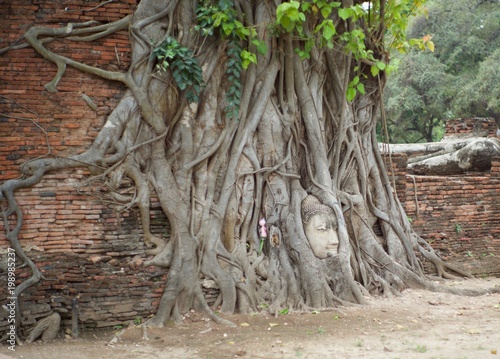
419,324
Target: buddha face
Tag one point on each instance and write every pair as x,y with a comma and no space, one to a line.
321,232
320,227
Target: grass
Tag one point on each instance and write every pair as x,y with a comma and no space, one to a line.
420,349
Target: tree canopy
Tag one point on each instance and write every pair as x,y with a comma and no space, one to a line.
458,79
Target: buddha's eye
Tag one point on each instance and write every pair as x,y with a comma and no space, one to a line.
321,227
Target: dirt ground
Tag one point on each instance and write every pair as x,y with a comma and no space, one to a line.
419,324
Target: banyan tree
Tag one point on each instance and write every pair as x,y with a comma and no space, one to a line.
254,124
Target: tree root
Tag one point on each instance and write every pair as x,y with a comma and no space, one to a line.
430,254
47,328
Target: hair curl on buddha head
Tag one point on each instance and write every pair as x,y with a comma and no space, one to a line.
312,206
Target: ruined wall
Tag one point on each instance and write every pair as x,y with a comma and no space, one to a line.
484,127
458,215
83,246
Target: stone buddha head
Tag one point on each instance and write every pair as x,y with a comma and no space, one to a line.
320,226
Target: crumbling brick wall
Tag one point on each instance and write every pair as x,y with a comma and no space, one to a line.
82,246
459,217
477,126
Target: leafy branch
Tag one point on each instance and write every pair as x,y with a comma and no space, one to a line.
186,70
224,17
293,15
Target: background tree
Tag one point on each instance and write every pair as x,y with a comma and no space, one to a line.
415,99
456,80
234,114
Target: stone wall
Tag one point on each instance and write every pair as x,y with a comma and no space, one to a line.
459,217
84,247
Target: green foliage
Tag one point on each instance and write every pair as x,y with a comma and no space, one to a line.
185,69
420,349
414,99
290,16
284,311
293,17
234,68
481,95
223,17
313,23
354,87
458,79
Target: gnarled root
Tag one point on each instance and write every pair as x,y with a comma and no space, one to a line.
48,328
441,266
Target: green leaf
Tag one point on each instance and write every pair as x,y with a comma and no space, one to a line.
284,311
287,24
219,18
374,70
305,6
326,11
261,46
345,13
351,94
287,14
303,54
328,30
228,28
361,88
248,58
380,65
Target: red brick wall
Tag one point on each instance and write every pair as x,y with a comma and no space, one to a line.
81,245
459,217
478,126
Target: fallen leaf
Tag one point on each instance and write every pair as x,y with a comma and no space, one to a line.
474,331
273,324
244,325
493,351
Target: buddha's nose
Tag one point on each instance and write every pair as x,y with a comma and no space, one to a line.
332,239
